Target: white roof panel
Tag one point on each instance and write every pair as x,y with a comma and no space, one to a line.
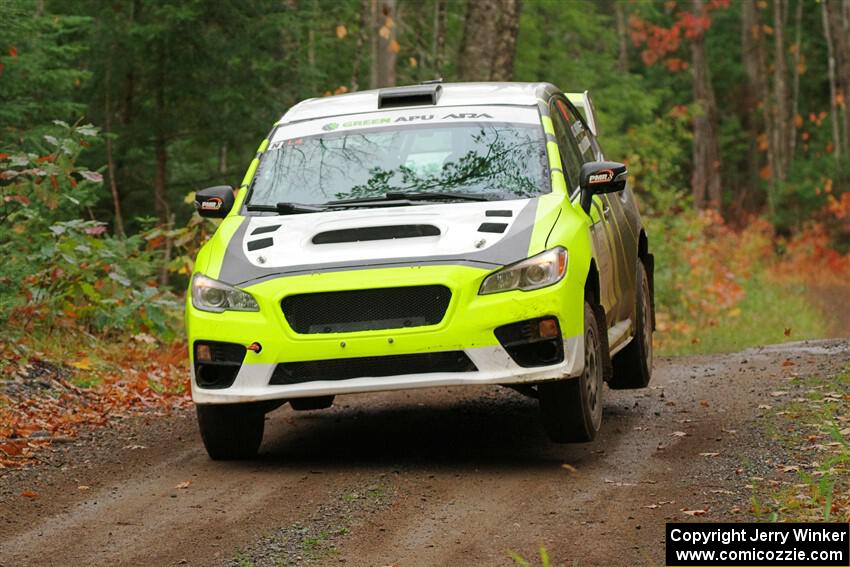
453,94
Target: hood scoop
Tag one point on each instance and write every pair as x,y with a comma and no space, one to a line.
368,233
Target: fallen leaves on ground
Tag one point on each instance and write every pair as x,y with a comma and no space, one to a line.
147,379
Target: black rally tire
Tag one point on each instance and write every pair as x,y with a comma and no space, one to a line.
633,364
231,432
572,408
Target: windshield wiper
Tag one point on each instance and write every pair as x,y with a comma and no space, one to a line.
440,196
285,208
403,198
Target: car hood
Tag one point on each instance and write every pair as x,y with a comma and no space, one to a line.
485,234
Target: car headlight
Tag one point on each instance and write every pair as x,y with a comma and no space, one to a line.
545,269
212,295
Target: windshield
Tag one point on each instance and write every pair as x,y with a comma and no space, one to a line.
498,152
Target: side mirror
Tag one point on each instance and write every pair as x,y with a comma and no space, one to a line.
599,177
214,202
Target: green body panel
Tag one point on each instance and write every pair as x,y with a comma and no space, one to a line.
468,323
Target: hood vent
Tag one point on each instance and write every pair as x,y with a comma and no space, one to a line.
376,233
265,229
497,227
260,244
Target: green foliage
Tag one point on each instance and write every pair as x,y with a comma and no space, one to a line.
96,282
39,76
60,271
657,157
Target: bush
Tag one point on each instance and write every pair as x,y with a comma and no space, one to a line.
59,270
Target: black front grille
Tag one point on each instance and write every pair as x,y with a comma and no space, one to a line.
371,366
366,309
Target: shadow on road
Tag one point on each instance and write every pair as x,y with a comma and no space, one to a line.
494,430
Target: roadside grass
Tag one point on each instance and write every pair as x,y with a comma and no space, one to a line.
545,560
523,562
814,428
771,312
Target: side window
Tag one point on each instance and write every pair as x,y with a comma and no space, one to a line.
571,159
577,131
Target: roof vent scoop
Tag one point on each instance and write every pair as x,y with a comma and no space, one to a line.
417,95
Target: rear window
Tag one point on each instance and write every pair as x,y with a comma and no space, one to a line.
498,151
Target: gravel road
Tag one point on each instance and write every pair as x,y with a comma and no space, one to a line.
437,477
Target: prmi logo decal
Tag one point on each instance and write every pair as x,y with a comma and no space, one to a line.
212,204
604,176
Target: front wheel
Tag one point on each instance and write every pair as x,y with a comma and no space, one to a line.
231,432
572,408
633,364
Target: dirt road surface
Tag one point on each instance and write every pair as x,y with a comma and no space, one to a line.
431,477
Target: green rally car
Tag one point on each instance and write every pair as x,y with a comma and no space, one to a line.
409,237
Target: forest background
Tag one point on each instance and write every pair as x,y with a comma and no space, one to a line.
731,115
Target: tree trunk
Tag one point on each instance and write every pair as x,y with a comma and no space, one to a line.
110,159
373,44
759,106
385,47
479,29
222,158
160,181
489,40
705,181
439,44
504,43
842,22
781,117
836,22
795,93
845,69
623,54
833,106
362,36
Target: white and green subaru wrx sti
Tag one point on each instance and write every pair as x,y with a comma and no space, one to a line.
431,235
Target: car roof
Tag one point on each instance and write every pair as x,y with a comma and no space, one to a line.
451,94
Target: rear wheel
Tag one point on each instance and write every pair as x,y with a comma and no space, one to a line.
231,432
633,364
572,408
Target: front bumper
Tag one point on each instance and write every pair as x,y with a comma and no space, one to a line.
467,326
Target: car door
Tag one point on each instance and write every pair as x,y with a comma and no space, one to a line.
600,229
612,213
627,220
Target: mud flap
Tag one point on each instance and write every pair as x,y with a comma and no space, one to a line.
602,325
649,264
